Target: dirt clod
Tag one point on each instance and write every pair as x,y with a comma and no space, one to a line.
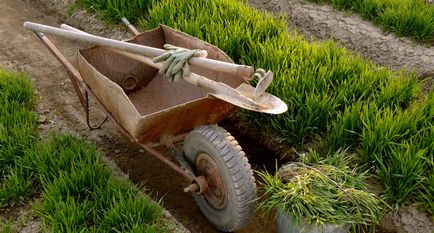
407,220
42,119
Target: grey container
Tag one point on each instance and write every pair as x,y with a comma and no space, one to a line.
287,224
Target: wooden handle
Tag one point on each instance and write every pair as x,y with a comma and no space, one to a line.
193,78
240,70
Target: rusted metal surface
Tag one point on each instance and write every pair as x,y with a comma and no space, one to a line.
199,187
87,110
149,110
154,109
185,173
191,188
198,182
182,119
168,141
215,194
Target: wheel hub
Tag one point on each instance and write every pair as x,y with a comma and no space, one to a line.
216,193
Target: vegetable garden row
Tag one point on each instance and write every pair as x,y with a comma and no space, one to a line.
62,177
337,100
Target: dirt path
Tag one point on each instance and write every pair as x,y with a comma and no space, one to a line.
322,21
57,103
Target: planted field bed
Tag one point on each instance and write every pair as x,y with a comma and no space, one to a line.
337,100
413,18
63,177
114,10
322,21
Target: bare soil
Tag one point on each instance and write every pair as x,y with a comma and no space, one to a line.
59,109
21,219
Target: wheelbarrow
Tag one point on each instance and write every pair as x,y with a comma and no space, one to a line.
153,112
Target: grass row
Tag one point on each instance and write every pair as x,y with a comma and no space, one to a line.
75,191
114,10
414,18
335,98
342,99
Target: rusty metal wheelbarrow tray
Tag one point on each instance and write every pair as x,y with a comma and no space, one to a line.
153,112
148,107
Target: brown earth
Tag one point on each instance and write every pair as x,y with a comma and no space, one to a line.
59,108
21,219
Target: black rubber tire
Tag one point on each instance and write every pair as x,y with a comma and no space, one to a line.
236,174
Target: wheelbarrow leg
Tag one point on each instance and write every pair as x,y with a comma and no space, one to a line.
74,76
87,110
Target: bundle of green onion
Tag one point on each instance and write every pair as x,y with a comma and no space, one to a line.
321,194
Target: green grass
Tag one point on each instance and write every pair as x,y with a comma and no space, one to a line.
413,18
5,226
77,193
342,99
316,80
17,121
322,193
81,194
17,134
346,100
335,98
114,10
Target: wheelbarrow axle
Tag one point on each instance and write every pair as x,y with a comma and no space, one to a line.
198,184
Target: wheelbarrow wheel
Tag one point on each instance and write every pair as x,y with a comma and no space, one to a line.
229,201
